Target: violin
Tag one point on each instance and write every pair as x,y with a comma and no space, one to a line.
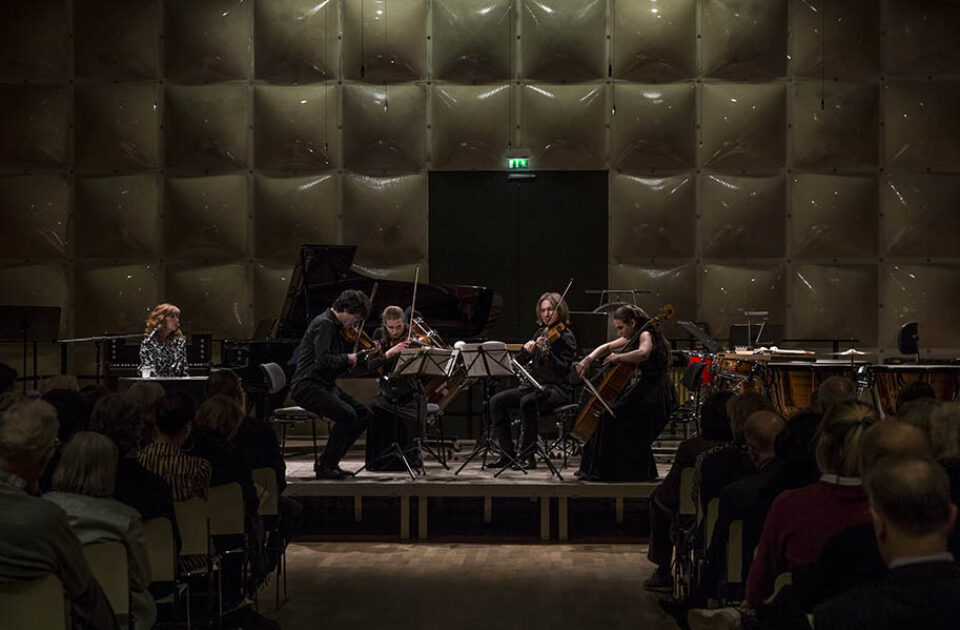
617,377
363,343
422,335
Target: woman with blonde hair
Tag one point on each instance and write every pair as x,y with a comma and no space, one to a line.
163,351
83,484
801,521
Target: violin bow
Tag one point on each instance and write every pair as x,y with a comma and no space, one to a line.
373,293
413,303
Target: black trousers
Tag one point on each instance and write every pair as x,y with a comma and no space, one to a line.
350,418
660,551
531,403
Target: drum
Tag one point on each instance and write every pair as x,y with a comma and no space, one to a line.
736,374
791,384
888,380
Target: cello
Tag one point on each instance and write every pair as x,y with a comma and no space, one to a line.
614,379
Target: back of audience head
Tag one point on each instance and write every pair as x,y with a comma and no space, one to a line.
173,414
70,411
839,435
910,506
888,438
945,432
741,407
9,399
921,413
760,433
221,416
225,383
118,419
144,394
28,436
88,465
914,391
60,381
8,378
834,390
714,421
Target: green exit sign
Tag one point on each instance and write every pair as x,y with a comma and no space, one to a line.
517,163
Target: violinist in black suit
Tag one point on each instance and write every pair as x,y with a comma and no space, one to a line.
549,355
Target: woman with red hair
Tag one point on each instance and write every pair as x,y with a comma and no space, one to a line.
163,351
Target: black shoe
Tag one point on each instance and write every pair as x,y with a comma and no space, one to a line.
659,580
676,608
345,473
501,462
330,473
529,463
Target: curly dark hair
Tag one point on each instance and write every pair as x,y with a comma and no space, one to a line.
354,302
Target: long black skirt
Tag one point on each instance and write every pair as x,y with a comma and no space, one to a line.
620,448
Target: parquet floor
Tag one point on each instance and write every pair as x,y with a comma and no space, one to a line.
466,587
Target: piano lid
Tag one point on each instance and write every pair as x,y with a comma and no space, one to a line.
324,271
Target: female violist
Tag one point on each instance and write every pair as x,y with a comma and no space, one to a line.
395,405
620,448
549,356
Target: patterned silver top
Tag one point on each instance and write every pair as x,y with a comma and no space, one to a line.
165,359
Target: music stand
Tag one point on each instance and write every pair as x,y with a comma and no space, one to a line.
416,363
487,361
709,343
29,324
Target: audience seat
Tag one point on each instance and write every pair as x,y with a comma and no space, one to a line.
158,536
108,563
38,604
269,509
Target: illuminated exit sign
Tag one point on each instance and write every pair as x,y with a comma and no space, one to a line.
518,163
517,159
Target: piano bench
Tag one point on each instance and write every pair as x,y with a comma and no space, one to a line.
287,416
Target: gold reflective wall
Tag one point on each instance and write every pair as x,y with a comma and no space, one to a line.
796,156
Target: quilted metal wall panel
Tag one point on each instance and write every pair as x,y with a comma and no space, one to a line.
762,154
667,285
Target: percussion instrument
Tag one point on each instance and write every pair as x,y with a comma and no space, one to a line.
790,384
888,380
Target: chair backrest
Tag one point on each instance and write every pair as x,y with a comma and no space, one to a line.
38,604
735,553
276,377
158,535
687,506
783,580
266,482
713,510
108,563
194,528
225,509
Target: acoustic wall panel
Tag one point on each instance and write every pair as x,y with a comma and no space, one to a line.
213,298
667,285
653,126
563,42
36,40
296,127
471,127
742,126
821,291
35,125
921,37
384,127
296,41
563,126
925,294
295,210
131,291
744,39
833,125
206,127
472,40
652,217
38,285
922,130
34,213
206,217
742,217
271,282
834,38
117,217
387,218
833,216
210,41
920,217
726,291
117,126
117,39
385,41
654,41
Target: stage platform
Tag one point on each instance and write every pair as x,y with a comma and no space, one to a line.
415,495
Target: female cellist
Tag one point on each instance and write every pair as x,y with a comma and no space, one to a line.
619,449
550,354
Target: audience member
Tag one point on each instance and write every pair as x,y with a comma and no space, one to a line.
834,390
920,413
187,476
10,399
145,394
914,391
60,381
912,518
145,491
72,417
35,538
8,378
82,486
715,429
801,521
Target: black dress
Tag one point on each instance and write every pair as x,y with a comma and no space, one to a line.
620,448
394,415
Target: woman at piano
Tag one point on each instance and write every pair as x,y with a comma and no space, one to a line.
549,356
395,405
163,351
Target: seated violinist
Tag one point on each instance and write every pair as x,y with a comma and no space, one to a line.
549,356
395,405
620,448
327,351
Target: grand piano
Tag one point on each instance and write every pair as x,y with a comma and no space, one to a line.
321,273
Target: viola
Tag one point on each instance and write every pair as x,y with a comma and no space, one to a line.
422,335
615,379
364,344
